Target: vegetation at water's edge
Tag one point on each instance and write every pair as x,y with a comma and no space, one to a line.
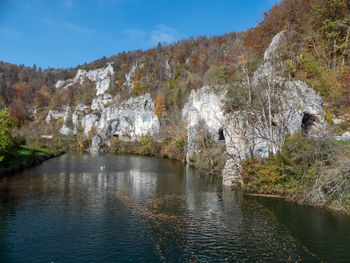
308,170
209,160
14,155
316,50
149,147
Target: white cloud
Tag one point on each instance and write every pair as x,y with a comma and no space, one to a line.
49,21
135,33
104,3
10,33
78,28
68,4
55,24
163,33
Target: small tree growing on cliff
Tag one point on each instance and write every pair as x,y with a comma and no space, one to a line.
272,111
160,108
266,119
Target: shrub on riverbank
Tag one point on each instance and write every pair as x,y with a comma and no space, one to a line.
172,149
211,157
8,144
307,170
13,154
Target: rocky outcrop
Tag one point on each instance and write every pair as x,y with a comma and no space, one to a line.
203,111
298,109
167,69
102,77
64,83
65,130
247,132
100,102
55,114
128,120
130,76
106,116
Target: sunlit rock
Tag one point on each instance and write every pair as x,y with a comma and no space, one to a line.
203,110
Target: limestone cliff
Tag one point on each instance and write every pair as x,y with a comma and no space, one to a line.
107,116
247,132
282,107
204,108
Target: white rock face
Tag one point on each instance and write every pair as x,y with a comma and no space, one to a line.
64,83
95,144
79,113
271,53
129,121
100,102
300,109
168,69
89,121
55,115
129,77
102,78
65,130
106,117
203,108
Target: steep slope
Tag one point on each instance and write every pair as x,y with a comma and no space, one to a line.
234,96
250,131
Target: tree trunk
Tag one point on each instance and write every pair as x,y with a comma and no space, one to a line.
346,44
334,53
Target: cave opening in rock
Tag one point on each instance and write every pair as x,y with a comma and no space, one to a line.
307,122
221,134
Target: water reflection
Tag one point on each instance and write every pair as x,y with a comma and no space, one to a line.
148,210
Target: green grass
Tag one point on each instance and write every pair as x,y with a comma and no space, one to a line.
28,153
343,142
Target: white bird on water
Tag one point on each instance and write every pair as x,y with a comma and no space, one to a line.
102,167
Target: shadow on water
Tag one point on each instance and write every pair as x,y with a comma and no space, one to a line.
109,208
326,233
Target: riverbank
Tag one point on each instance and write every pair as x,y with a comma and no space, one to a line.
26,157
211,158
147,146
307,171
332,208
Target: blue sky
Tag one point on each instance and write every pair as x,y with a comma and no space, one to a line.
65,33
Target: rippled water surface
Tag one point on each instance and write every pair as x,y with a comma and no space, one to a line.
150,210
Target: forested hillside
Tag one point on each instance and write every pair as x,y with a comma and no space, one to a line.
24,88
317,51
137,102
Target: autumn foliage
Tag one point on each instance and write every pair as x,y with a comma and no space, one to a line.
160,108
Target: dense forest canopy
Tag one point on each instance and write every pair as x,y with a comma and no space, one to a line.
317,51
314,48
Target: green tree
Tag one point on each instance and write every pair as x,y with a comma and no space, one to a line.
2,87
179,97
7,142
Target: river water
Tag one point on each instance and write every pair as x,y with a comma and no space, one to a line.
141,209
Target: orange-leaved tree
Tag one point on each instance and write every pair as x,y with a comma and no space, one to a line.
160,108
